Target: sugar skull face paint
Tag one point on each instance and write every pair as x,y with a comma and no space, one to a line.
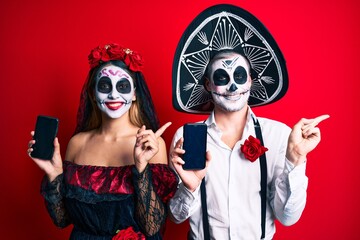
230,82
114,91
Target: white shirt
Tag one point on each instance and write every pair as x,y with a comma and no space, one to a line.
233,186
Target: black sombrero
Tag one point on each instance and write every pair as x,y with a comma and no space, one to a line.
222,27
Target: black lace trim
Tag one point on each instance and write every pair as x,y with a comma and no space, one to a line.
150,211
54,200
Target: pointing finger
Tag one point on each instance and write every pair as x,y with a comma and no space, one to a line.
161,130
311,123
320,119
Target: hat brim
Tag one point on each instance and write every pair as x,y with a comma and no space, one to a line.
226,27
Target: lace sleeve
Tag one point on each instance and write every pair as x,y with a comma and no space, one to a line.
150,211
51,191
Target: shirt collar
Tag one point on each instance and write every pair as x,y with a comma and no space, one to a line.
212,123
215,132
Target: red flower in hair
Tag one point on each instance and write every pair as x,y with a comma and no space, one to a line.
114,51
128,234
252,149
94,57
134,61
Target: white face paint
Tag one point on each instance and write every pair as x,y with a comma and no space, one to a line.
230,82
114,91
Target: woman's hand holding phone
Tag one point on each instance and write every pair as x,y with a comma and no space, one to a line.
46,152
53,167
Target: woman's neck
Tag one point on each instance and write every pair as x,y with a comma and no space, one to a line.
116,127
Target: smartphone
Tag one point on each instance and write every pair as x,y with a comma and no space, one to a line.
195,138
45,132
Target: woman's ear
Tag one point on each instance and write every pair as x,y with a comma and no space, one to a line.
134,96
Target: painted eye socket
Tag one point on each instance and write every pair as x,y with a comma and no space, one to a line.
104,85
240,75
123,86
221,77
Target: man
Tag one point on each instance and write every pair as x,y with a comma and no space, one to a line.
238,199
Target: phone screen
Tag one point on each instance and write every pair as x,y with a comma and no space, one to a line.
195,135
45,132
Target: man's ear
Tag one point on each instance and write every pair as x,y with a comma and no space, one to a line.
207,84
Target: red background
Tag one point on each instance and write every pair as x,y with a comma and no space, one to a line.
43,61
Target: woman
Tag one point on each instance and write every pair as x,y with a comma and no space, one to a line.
114,182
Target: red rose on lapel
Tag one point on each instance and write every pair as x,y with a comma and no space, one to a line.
252,149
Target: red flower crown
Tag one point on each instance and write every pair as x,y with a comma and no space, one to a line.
113,51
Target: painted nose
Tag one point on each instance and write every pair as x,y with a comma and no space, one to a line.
233,87
113,95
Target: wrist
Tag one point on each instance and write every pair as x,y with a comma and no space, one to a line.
140,167
296,159
192,187
51,176
296,155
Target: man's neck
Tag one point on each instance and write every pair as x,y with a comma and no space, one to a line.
231,124
225,119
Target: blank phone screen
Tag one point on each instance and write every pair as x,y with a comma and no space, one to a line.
195,135
45,133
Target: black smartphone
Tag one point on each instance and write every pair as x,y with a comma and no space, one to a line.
195,137
45,132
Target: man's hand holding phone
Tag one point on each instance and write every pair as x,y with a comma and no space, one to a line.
189,156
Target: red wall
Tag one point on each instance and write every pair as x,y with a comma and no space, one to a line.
44,47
